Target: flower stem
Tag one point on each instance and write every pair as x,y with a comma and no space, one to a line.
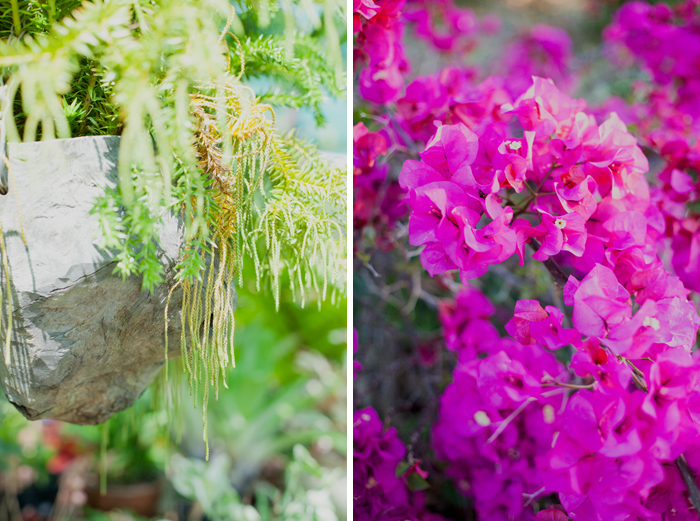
510,418
569,386
689,479
526,206
554,269
15,18
534,194
410,144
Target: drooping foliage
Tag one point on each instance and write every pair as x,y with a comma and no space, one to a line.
170,77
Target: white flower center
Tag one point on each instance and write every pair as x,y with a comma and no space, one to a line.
482,418
548,413
514,145
560,223
652,323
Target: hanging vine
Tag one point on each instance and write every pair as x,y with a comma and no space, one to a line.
163,73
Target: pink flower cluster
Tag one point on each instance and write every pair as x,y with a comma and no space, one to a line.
677,196
497,421
451,97
613,457
375,196
666,42
466,325
542,51
515,163
602,309
510,431
378,493
446,27
586,193
379,48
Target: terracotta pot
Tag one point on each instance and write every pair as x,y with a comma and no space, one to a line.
141,498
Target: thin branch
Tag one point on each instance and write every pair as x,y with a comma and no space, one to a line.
554,269
569,386
531,497
526,206
689,479
416,290
410,144
534,194
510,418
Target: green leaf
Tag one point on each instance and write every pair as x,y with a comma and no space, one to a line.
416,482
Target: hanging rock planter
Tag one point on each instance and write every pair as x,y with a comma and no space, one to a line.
85,343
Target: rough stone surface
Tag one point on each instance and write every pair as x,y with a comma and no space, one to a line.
85,343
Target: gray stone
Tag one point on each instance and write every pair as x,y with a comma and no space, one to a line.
85,343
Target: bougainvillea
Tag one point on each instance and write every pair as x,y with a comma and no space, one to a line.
665,42
590,406
377,492
380,489
542,51
586,195
377,198
378,46
496,425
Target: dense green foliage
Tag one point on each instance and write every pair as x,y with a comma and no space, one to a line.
129,67
171,78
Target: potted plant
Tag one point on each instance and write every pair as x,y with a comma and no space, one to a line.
178,177
126,471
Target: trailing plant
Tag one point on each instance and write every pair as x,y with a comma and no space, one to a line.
168,77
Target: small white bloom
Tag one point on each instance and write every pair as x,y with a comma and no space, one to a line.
548,413
652,323
482,418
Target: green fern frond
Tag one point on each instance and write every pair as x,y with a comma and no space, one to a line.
302,223
305,76
154,72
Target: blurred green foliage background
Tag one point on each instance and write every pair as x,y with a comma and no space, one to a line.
278,435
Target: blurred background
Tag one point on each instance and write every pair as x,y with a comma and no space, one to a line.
587,69
277,435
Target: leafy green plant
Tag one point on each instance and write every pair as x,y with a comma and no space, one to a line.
210,486
140,63
307,493
267,413
169,76
306,496
21,442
